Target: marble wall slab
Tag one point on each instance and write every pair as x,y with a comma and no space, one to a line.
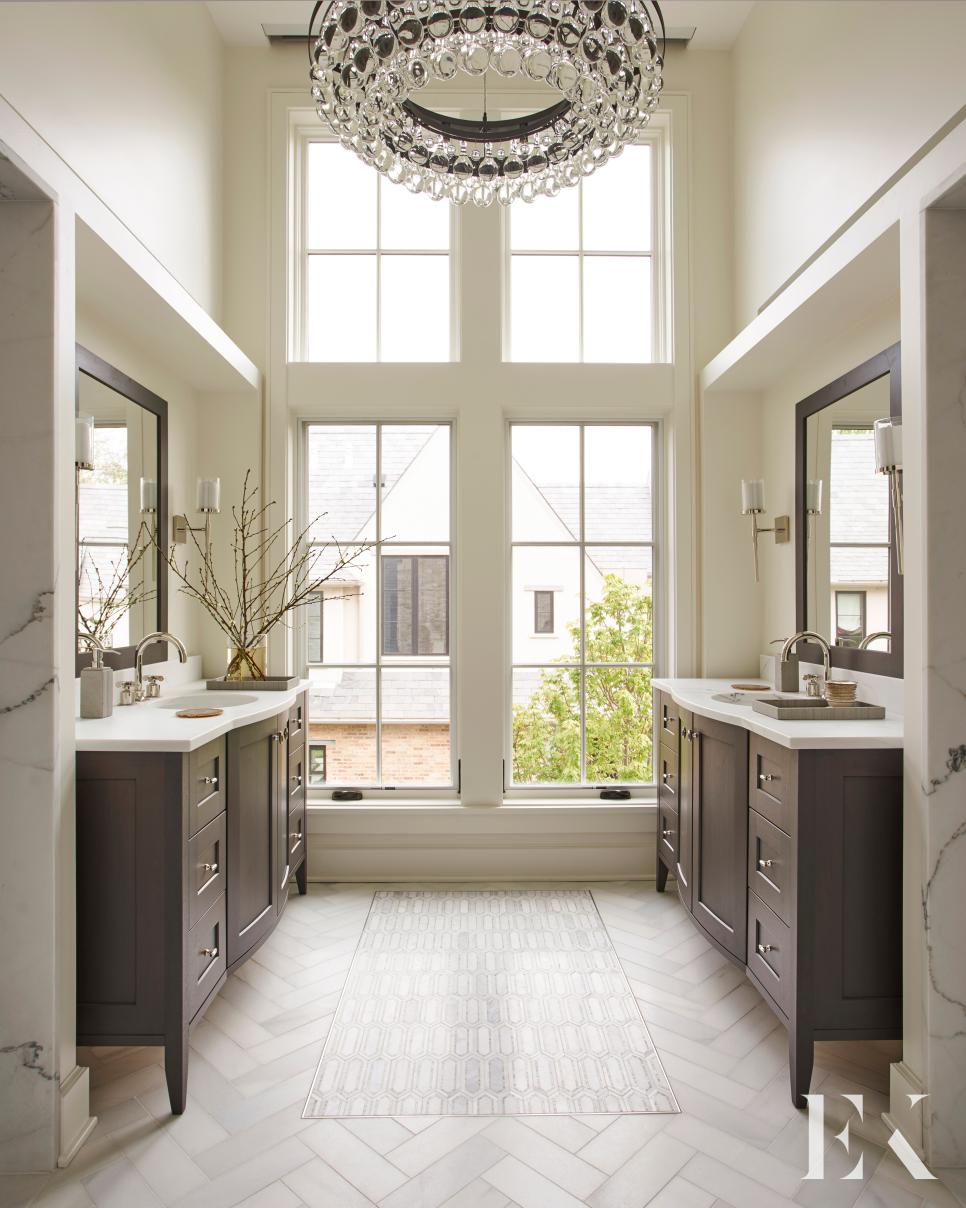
944,682
29,1074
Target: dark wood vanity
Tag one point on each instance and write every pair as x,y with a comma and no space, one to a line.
183,868
790,862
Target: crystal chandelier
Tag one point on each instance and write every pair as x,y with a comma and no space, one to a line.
371,58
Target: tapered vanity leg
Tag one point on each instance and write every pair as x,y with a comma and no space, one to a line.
801,1056
661,876
176,1070
301,876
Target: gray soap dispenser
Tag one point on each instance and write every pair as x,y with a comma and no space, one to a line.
96,684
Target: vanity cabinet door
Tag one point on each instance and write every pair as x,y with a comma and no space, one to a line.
685,809
720,832
253,762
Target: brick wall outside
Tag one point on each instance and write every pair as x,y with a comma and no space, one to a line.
413,754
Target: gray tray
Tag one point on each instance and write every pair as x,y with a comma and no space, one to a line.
816,710
273,683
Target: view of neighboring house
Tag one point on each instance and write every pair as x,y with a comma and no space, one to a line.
859,539
384,646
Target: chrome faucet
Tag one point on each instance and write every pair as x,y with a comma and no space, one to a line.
873,637
793,641
139,692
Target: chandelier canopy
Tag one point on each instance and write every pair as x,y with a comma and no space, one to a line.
371,58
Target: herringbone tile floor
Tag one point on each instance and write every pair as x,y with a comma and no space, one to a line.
242,1140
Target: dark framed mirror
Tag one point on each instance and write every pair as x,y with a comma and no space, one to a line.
121,507
848,584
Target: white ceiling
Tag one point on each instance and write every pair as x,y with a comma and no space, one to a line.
717,22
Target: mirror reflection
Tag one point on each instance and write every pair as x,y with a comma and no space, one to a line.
848,526
117,566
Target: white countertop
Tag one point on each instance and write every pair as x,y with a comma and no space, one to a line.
696,694
150,727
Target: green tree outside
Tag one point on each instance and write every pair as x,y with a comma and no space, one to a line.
546,731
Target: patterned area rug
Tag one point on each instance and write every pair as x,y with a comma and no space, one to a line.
487,1002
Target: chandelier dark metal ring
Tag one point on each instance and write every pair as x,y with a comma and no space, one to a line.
371,58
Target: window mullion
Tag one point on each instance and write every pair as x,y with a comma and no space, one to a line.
582,677
378,555
378,287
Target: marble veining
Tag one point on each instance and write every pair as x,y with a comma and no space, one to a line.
31,1053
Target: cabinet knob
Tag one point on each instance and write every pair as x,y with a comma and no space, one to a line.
668,777
296,839
213,780
763,948
765,863
212,952
210,867
667,833
767,777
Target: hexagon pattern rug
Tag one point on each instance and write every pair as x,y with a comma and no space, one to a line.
487,1002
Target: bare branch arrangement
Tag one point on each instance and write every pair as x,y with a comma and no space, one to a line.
273,574
103,600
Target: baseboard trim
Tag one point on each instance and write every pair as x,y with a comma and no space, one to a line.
76,1122
903,1116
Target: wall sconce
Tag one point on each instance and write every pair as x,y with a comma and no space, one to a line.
813,497
208,502
84,442
753,505
149,497
887,434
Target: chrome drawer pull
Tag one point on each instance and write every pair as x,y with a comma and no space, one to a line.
763,948
210,867
212,952
766,863
767,777
209,780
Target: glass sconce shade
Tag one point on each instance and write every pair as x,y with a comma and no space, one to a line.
752,495
888,444
84,442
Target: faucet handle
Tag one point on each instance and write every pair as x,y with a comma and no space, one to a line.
154,686
127,692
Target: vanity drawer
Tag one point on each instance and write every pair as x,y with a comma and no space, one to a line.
769,953
297,724
296,778
206,868
205,959
668,722
206,784
667,778
296,837
771,871
771,783
668,829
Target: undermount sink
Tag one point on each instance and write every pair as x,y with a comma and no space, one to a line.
814,709
207,700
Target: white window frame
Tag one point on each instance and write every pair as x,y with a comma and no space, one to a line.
379,792
299,310
656,138
584,790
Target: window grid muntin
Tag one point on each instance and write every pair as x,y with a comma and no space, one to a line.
377,251
398,662
537,788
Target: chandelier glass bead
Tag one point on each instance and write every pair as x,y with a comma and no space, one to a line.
371,59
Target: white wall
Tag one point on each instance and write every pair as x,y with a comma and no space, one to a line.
876,330
184,451
831,97
130,96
